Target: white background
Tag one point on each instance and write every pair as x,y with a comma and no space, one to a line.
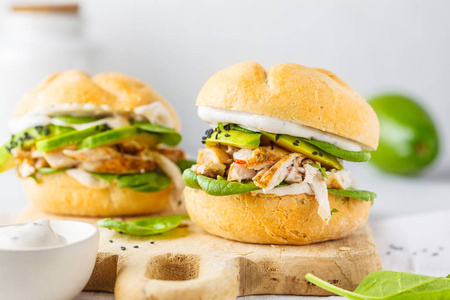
375,46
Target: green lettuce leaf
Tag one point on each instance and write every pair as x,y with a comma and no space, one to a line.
389,285
356,156
190,179
358,194
145,182
144,227
168,136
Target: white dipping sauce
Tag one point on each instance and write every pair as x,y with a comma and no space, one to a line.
31,235
256,122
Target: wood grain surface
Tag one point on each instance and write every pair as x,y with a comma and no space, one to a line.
188,263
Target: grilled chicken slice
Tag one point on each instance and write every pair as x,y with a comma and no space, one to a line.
26,168
338,179
297,171
109,160
315,179
277,173
212,161
57,160
174,154
263,157
240,173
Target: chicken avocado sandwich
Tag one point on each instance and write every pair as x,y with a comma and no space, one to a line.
272,170
99,146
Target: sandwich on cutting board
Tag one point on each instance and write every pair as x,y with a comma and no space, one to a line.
273,167
96,146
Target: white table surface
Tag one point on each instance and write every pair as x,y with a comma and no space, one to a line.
410,220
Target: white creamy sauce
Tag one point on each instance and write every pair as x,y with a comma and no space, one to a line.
292,189
213,115
29,235
87,179
154,112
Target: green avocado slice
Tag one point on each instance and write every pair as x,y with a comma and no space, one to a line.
73,137
6,159
356,156
30,136
115,136
76,120
168,136
298,145
233,138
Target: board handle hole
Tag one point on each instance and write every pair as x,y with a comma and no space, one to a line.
174,267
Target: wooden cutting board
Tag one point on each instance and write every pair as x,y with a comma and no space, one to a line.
188,263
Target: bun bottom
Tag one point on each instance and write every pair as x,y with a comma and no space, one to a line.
270,219
61,194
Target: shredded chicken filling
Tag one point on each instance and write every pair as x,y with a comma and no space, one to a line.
269,166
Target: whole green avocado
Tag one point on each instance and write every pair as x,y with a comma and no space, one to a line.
409,141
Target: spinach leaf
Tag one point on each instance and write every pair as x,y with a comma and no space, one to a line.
76,120
144,227
358,194
107,177
168,136
393,286
357,156
145,182
232,126
334,210
223,187
185,164
190,179
51,170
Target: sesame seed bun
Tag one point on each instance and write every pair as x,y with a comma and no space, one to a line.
270,219
308,96
61,194
117,91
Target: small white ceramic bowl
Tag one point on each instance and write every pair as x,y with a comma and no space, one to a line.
51,273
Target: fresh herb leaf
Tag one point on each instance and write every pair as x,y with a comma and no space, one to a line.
391,285
145,182
144,227
185,164
358,194
322,169
334,210
356,156
34,177
50,170
222,187
190,179
76,120
168,136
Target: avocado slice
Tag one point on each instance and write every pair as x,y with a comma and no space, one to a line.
6,159
73,137
168,136
120,135
294,144
76,119
29,136
232,138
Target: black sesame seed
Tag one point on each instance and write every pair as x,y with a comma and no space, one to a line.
204,138
136,246
227,127
315,153
227,135
120,232
218,144
277,137
123,248
320,154
152,242
217,136
111,241
203,142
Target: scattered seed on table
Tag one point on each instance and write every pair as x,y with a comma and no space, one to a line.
435,254
123,248
152,242
111,241
136,246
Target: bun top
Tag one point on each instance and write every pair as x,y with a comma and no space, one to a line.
120,93
308,96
